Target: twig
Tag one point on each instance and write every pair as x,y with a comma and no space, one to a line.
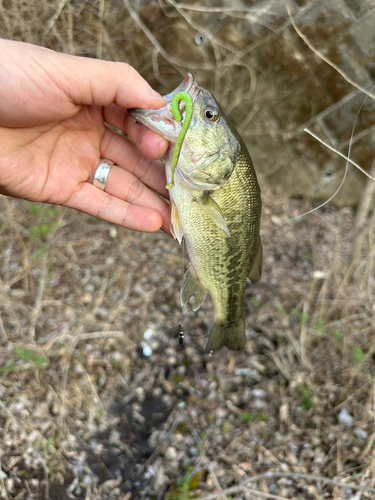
3,484
340,154
362,214
243,489
3,333
38,299
99,43
26,263
369,446
325,59
153,40
54,18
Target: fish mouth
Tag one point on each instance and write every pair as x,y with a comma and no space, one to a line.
162,120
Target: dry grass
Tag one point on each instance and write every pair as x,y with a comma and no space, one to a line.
84,412
82,405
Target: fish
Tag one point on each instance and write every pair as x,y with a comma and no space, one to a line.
215,206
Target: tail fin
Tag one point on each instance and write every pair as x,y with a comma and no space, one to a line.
231,334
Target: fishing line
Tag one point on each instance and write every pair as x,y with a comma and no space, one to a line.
346,168
180,330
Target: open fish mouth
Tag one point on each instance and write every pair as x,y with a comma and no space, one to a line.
162,120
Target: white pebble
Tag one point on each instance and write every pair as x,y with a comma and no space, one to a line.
148,334
113,232
345,417
361,434
171,454
147,351
259,393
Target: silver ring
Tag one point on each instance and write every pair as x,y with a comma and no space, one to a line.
101,173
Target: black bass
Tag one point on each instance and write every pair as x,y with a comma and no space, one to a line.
215,206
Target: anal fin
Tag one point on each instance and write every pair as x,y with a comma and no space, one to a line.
192,288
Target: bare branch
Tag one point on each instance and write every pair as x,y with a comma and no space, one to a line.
325,59
340,154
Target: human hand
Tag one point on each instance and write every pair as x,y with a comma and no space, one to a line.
53,110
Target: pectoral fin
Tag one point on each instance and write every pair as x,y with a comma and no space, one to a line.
213,211
176,228
256,269
207,161
192,288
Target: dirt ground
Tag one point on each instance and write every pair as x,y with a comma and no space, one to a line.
99,401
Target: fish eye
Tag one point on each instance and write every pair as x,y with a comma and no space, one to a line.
211,114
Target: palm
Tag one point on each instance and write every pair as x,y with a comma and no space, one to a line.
61,157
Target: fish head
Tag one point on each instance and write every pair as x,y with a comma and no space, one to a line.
211,144
210,147
162,120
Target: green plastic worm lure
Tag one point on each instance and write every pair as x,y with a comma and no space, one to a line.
181,96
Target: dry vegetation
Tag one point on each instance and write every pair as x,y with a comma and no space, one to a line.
98,400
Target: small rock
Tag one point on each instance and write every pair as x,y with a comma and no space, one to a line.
319,275
221,413
113,232
361,434
101,313
138,417
147,351
88,480
115,437
213,386
171,454
148,334
161,479
284,412
243,372
9,482
86,298
140,394
260,405
345,417
259,393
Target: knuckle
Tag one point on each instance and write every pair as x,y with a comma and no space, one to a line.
135,191
103,208
142,167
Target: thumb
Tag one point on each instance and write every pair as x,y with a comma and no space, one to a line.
101,83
